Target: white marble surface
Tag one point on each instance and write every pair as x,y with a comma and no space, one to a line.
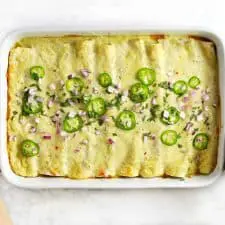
134,207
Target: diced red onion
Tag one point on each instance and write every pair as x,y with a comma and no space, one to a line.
33,130
186,99
50,103
188,126
47,136
104,118
193,93
57,123
82,113
182,107
110,141
152,136
85,72
205,97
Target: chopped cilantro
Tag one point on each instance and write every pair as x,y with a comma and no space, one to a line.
154,112
165,85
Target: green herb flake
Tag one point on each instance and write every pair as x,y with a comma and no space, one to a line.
165,85
154,110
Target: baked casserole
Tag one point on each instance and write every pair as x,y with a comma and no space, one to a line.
113,106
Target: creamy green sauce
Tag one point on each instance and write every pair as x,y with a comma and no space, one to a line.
108,106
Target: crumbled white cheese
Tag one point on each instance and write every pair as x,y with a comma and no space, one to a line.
126,93
111,89
166,114
169,74
63,133
200,117
85,142
52,86
32,91
82,113
22,121
84,128
182,115
71,114
61,82
123,98
97,132
128,123
12,138
95,90
145,139
118,86
37,120
154,101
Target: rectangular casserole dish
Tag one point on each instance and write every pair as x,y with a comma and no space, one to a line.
50,182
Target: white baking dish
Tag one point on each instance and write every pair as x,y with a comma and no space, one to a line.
45,182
